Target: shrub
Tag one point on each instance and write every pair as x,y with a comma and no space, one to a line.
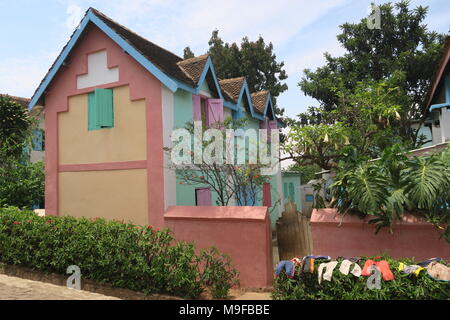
121,254
22,184
305,286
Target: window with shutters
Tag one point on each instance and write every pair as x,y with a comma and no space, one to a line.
100,109
208,111
38,140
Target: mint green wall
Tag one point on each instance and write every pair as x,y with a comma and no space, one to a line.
182,107
185,194
288,178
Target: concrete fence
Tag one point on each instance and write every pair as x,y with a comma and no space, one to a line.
336,235
241,232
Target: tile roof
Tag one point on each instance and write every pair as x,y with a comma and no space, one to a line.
163,59
193,67
259,100
22,101
232,88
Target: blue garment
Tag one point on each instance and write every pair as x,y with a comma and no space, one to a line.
316,257
427,262
288,266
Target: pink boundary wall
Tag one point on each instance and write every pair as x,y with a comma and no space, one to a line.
142,85
411,238
241,232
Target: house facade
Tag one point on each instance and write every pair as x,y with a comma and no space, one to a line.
112,100
437,101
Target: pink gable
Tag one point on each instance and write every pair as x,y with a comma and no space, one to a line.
203,196
215,111
196,107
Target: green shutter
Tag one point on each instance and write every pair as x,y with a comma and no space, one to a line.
291,192
104,106
285,190
100,109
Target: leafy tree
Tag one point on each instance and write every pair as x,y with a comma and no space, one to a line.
187,53
21,182
403,51
365,120
253,59
15,129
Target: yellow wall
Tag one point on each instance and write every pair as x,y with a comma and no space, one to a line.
115,194
125,142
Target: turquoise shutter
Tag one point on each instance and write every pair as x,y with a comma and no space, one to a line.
285,190
104,106
291,192
37,140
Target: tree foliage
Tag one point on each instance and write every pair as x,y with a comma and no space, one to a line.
15,129
403,52
253,59
386,187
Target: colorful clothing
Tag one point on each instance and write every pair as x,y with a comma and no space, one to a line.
438,271
382,265
416,269
329,267
287,266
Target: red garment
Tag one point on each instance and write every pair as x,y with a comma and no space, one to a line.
383,266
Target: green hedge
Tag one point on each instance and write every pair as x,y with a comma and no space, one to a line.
341,287
122,255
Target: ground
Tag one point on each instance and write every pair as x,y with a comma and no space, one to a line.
12,288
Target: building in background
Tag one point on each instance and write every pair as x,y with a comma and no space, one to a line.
37,148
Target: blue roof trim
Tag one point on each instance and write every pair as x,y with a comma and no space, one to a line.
447,95
249,100
90,17
439,106
209,67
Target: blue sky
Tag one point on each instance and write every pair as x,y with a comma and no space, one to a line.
33,32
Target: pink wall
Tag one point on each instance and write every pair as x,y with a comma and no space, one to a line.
411,238
241,232
142,84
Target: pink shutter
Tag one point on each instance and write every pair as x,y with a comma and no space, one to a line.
215,111
267,198
272,125
196,107
203,196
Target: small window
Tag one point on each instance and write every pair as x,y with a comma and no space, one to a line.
100,109
309,198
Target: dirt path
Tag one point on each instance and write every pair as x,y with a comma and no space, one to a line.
12,288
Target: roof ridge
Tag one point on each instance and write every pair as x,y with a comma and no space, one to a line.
232,79
260,92
133,32
193,59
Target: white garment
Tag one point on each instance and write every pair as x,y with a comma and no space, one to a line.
345,268
329,267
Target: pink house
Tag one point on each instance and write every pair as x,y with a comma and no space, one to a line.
111,100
